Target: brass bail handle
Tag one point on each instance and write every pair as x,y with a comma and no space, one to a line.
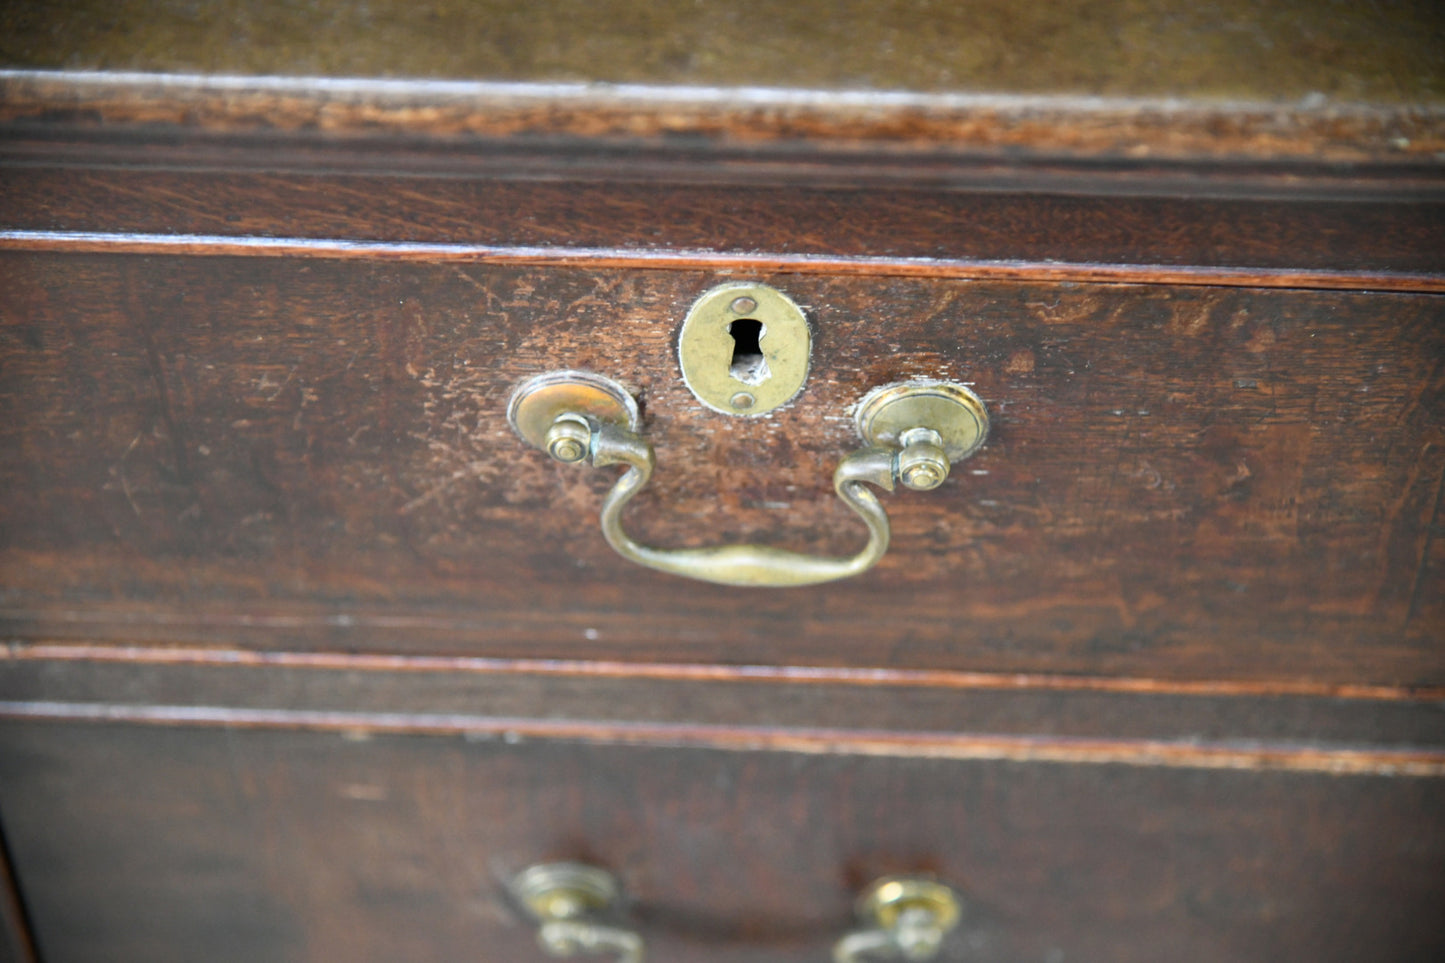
566,901
903,918
913,431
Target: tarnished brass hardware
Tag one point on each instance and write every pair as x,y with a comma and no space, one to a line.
744,349
586,399
569,439
891,416
904,918
922,464
549,412
566,900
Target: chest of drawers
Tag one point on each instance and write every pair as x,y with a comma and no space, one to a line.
310,654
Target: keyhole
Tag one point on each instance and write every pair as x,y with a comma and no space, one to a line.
748,364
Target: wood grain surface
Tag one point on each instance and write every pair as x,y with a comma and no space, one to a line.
1218,50
307,653
1284,225
1182,482
1352,732
1312,128
159,844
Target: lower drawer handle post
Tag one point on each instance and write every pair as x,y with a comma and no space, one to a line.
904,918
567,901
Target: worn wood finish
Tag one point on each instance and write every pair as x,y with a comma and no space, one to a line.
1159,668
145,844
1389,732
1312,129
306,654
421,154
1284,51
728,262
1273,227
945,679
1182,482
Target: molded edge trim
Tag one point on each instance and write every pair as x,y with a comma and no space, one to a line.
951,746
1070,125
210,245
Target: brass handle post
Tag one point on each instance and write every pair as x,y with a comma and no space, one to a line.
566,900
903,918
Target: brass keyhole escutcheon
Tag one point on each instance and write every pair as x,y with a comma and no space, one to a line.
745,348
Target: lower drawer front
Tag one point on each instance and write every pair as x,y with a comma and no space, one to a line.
153,843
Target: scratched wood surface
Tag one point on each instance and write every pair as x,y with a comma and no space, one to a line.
137,843
1284,224
1312,129
1182,482
1159,667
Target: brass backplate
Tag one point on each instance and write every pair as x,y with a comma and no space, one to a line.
745,349
536,403
956,413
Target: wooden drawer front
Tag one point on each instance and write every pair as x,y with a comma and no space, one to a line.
143,843
1185,482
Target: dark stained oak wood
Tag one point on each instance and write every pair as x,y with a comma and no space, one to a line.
419,153
1379,733
943,679
306,653
192,245
881,209
1182,482
146,844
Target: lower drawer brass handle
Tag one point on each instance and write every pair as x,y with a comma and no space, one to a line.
904,918
565,899
914,433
